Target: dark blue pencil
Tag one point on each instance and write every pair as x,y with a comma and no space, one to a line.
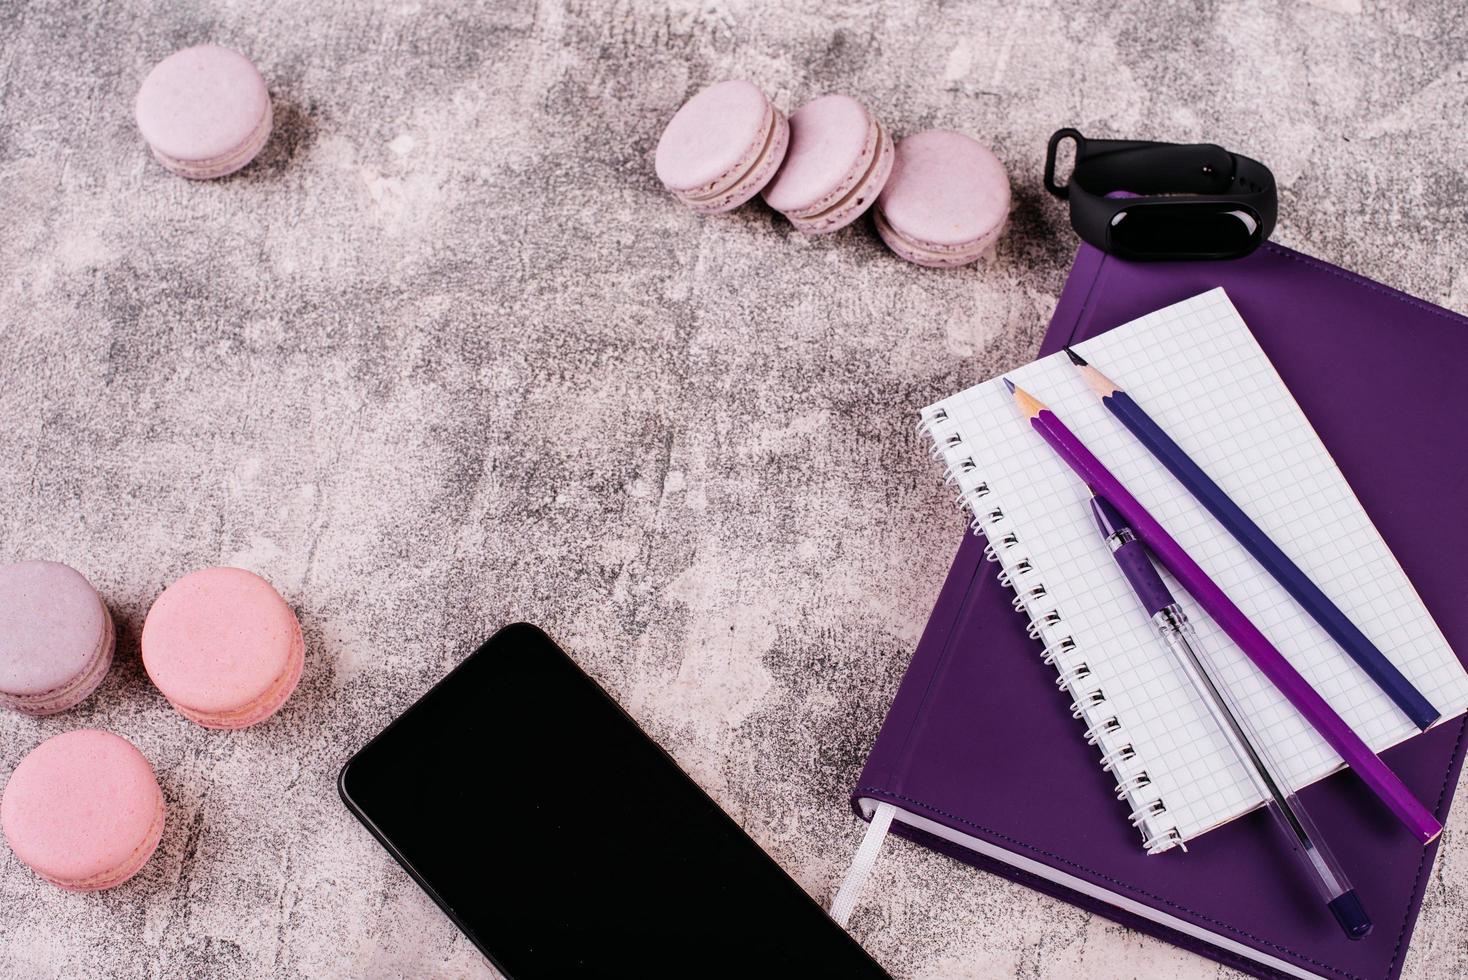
1265,551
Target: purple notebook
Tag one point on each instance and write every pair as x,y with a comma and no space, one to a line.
983,761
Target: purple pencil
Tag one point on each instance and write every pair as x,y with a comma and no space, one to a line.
1288,681
1382,671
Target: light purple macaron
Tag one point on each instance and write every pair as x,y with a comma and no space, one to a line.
838,161
204,111
946,202
56,637
722,147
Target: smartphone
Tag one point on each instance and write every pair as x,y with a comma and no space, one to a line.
565,843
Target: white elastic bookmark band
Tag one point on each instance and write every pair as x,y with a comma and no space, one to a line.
862,864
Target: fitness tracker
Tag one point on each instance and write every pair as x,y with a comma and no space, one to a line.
1146,201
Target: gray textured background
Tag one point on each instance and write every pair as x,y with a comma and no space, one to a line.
447,357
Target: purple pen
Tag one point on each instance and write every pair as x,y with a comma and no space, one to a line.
1283,802
1377,776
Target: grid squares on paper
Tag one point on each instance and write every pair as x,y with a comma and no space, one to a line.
1198,371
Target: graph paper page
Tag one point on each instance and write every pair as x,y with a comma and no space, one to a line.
1199,373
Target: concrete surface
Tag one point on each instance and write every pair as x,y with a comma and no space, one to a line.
447,357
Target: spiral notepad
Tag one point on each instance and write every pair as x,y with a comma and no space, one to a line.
1200,373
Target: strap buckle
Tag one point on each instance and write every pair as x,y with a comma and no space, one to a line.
1061,191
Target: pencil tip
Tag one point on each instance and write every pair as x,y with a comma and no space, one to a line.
1028,404
1075,358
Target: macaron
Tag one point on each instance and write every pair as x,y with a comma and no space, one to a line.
204,111
838,161
722,147
946,202
56,637
83,810
223,647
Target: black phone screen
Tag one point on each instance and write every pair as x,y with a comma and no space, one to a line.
564,842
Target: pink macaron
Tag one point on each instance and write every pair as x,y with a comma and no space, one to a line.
56,637
204,111
83,810
946,202
722,147
223,647
838,161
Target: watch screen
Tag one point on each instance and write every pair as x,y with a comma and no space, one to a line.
1184,229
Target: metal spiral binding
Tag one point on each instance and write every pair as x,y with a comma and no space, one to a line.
1069,675
1052,653
1110,759
1098,731
1081,706
1060,649
1128,785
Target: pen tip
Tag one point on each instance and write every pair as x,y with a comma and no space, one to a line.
1075,358
1010,385
1351,914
